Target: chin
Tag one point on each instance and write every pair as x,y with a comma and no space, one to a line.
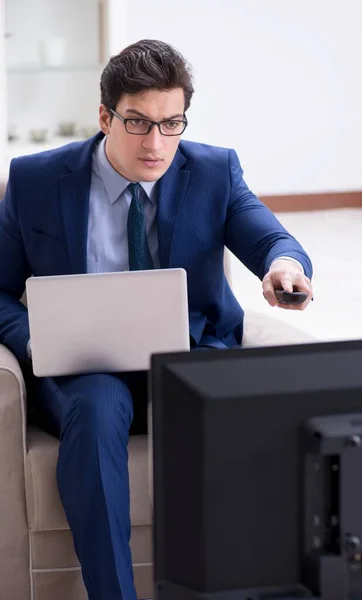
151,175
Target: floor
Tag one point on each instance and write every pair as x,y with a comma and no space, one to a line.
333,240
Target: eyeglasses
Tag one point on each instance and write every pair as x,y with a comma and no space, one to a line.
140,126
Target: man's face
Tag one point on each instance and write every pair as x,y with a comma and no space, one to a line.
142,157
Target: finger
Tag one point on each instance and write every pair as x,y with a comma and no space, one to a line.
268,292
301,283
304,285
286,282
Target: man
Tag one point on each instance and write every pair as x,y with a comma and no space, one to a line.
134,196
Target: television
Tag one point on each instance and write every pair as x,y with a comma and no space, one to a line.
257,473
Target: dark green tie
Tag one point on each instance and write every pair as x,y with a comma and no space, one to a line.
140,258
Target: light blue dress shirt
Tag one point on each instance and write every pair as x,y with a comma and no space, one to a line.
109,201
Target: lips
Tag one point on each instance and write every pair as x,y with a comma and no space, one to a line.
150,159
151,163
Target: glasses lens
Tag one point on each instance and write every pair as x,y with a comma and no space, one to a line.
172,127
141,127
137,126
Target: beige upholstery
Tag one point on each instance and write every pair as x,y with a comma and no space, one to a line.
37,557
36,547
45,511
2,186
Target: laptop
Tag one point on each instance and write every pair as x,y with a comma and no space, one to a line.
106,322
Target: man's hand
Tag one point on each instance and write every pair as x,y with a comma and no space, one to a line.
288,276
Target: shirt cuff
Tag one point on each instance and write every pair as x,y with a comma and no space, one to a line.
28,350
291,259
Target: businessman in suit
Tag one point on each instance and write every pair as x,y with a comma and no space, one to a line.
133,197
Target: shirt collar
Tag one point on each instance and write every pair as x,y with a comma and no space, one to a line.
114,182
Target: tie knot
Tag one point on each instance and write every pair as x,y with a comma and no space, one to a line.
135,189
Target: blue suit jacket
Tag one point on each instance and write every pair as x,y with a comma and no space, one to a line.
203,205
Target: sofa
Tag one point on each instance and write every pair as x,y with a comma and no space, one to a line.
37,557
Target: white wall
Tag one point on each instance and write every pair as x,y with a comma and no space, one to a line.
3,134
280,81
117,25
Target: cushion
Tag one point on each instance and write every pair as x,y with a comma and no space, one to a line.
262,330
45,511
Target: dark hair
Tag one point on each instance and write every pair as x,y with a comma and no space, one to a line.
145,65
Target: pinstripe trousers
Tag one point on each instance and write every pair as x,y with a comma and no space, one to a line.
92,414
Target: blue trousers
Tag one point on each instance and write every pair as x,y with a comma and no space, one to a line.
92,414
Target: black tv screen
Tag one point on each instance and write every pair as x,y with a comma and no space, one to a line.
233,435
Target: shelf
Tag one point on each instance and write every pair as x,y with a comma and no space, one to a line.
24,69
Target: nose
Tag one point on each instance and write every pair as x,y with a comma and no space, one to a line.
153,140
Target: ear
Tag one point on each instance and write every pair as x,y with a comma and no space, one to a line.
104,119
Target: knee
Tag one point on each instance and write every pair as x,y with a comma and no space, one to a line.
101,404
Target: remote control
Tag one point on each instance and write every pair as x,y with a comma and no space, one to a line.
291,297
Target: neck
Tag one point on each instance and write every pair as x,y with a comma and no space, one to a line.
113,163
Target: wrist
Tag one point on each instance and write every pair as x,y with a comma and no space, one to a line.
289,263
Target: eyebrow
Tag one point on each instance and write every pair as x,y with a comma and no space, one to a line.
139,114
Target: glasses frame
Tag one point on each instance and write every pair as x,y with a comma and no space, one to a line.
151,124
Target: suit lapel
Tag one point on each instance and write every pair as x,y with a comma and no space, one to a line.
74,194
75,203
171,192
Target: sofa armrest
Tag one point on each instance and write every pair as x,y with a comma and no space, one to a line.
14,535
